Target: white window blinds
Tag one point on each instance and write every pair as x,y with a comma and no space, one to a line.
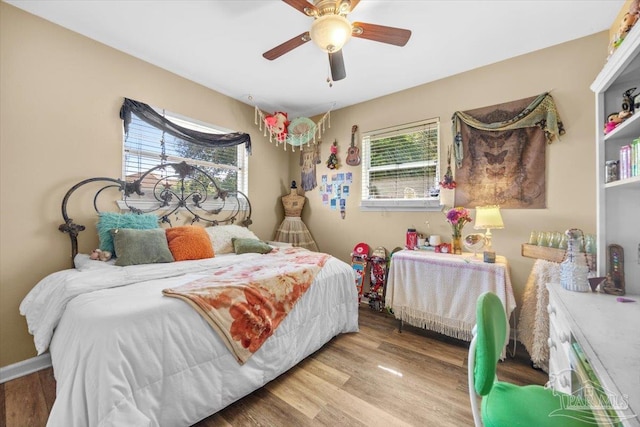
401,164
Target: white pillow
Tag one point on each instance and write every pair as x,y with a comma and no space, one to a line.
221,236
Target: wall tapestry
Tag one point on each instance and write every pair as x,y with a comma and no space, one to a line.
500,153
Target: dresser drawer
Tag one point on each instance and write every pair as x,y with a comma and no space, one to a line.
559,363
559,350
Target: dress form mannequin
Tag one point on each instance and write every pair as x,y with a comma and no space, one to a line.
293,230
293,202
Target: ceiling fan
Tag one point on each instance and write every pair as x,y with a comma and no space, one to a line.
331,29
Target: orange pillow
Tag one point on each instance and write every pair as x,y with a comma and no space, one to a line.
189,242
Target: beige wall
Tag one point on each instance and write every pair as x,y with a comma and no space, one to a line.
566,70
60,96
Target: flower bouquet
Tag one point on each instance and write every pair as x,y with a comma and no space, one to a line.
457,217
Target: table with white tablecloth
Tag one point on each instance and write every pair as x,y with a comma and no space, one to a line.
439,291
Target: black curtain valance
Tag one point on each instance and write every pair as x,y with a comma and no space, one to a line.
150,116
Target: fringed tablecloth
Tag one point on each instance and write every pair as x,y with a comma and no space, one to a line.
533,328
439,291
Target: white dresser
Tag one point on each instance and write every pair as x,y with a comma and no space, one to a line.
594,346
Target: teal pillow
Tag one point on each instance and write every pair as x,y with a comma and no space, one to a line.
111,220
246,246
141,246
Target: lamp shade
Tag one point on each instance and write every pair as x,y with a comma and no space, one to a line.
330,32
488,217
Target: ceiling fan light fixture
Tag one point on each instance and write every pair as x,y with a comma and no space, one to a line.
330,32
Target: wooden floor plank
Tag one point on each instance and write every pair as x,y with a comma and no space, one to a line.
48,384
324,371
361,410
336,416
390,377
377,376
262,408
25,403
3,414
298,394
439,347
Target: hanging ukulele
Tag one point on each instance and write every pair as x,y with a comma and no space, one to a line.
353,154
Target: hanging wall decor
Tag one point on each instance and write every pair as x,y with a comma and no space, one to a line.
335,189
500,153
309,158
296,132
448,182
332,161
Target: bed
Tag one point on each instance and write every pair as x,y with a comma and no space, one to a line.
124,352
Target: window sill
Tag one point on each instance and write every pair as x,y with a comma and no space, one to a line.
400,205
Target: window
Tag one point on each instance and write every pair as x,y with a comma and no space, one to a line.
400,167
146,146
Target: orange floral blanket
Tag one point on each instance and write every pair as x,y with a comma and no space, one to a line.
245,302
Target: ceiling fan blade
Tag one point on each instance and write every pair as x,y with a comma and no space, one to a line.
336,62
303,6
287,46
381,33
354,3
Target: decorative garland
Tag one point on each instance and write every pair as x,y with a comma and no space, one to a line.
280,129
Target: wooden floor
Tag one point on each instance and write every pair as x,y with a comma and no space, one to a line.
375,377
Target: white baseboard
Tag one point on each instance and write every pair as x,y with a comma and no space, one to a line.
25,367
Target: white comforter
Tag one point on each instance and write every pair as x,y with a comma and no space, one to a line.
124,355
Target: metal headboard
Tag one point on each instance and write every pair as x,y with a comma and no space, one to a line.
165,190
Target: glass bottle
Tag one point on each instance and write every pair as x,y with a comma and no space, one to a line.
574,270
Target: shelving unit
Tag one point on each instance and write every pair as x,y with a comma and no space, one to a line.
618,202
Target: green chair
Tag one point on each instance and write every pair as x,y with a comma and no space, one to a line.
505,404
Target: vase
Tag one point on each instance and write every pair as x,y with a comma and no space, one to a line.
456,245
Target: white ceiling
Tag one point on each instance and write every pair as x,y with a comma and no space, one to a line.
219,44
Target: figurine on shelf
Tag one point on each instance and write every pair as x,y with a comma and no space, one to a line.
332,162
628,21
613,120
628,101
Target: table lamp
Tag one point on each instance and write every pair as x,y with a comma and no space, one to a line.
488,217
